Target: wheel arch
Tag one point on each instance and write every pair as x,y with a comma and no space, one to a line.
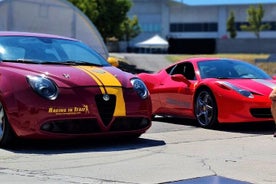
8,100
203,87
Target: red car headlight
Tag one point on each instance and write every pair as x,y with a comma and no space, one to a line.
239,90
43,86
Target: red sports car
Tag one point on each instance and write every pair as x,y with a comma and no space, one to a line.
55,87
211,90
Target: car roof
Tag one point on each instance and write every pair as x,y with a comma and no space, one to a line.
196,59
203,59
18,33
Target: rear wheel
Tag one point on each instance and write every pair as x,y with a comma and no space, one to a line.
6,132
206,109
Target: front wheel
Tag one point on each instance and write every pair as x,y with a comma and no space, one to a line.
6,133
206,109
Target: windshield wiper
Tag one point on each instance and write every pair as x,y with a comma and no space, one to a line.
77,62
67,62
36,61
30,61
22,61
224,77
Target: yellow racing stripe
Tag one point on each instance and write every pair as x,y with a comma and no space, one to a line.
108,84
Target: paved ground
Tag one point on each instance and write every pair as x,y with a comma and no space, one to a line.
171,152
145,62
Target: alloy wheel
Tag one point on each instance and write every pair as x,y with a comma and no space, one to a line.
205,109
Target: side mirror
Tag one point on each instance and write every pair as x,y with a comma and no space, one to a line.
180,78
113,61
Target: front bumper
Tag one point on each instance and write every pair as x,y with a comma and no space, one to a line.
78,112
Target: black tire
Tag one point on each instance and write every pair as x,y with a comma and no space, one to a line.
132,137
7,135
206,109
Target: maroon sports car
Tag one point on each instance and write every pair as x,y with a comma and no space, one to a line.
55,87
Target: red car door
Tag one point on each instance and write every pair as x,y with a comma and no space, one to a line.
177,95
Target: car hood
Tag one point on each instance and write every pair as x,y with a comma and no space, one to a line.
258,86
72,76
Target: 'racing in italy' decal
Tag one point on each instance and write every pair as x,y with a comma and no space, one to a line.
69,110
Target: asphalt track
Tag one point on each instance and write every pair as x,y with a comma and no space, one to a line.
173,151
144,62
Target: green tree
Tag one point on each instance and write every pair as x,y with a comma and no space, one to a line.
254,18
88,7
129,29
231,28
109,16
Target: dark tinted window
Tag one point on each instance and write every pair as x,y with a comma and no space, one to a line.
230,69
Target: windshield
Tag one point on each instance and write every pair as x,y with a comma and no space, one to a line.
230,69
47,50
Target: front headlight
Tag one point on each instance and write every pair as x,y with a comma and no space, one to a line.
239,90
43,86
140,88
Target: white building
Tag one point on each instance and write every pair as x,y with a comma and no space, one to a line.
193,26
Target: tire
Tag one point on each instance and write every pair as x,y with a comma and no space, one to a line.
206,109
132,137
7,135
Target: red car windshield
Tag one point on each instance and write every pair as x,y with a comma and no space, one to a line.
47,50
230,69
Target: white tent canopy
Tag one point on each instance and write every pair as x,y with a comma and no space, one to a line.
155,42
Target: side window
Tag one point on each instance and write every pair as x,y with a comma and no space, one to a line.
170,69
188,71
177,69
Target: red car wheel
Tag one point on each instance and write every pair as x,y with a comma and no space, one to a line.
206,109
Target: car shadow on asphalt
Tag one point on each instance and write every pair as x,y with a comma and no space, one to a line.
262,128
82,145
176,120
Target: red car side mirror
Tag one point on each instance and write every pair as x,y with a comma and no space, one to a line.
180,78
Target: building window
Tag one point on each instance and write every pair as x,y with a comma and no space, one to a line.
193,27
151,27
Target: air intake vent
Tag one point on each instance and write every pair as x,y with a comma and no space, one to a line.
261,113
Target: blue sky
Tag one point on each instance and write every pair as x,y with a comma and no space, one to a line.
222,2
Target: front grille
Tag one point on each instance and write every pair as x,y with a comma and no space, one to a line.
89,126
106,108
261,112
75,126
129,124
